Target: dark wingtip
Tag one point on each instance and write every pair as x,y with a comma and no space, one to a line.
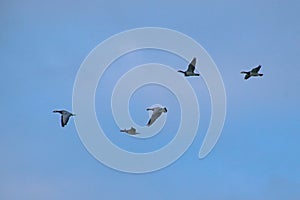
148,124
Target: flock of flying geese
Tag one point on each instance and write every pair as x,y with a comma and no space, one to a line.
157,111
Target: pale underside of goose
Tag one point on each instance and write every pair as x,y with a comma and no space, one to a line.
156,113
253,72
131,131
65,116
191,69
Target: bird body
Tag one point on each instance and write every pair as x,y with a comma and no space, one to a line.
65,116
157,111
253,72
131,131
191,69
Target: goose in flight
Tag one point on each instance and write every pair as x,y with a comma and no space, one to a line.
131,131
65,116
157,111
191,69
253,72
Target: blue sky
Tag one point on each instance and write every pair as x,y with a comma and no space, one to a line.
43,45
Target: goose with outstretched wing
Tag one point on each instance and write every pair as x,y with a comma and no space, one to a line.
65,116
253,72
156,113
131,131
191,69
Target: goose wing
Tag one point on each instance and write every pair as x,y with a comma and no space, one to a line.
192,65
256,69
247,76
65,118
132,131
156,113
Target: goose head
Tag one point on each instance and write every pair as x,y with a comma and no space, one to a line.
181,71
243,72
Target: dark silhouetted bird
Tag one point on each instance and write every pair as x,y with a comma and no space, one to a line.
253,72
191,69
65,116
